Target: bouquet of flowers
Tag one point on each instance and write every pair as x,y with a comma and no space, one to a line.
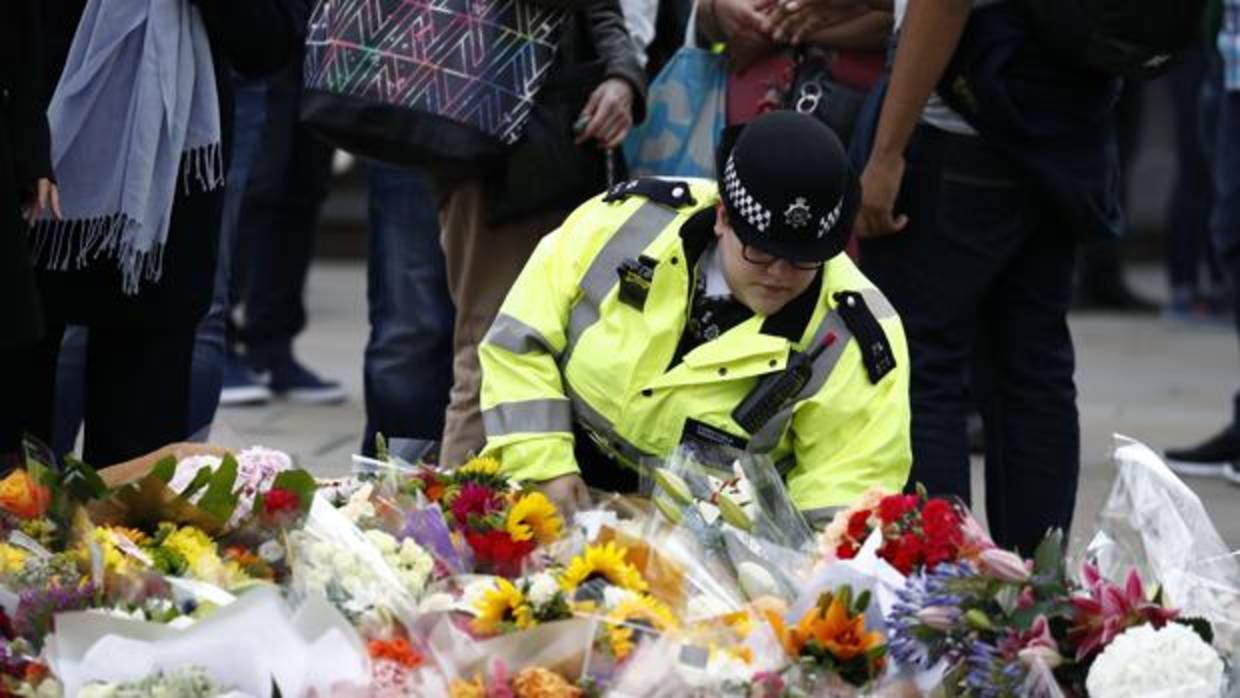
917,531
829,642
1003,626
189,682
501,524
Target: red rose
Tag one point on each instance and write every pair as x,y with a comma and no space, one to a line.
858,525
846,551
892,508
279,500
904,553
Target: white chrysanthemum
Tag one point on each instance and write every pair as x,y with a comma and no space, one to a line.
381,540
1173,661
613,596
543,589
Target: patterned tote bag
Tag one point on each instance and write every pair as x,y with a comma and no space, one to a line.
415,81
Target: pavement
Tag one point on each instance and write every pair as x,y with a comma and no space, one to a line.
1162,383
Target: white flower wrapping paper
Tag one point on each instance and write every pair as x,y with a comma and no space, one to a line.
245,645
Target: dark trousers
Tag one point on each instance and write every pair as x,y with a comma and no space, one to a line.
287,185
137,389
1188,215
983,262
1225,220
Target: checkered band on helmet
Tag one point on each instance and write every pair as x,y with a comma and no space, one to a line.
827,222
745,205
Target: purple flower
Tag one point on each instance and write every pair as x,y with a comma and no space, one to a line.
991,673
37,608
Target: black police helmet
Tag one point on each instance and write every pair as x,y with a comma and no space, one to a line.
788,187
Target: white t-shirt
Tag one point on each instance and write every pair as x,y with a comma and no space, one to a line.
936,112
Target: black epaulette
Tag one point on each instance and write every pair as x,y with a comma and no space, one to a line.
669,192
875,349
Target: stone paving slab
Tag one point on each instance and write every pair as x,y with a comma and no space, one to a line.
1161,383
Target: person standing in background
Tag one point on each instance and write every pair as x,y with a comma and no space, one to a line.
134,259
27,192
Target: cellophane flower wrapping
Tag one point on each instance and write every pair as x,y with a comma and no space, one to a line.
1154,523
333,557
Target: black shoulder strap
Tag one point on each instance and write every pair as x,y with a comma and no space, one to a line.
669,192
875,349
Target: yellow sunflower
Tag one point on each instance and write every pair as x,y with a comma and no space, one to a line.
502,607
534,516
605,561
637,612
480,466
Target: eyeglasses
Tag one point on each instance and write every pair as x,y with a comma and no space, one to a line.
766,259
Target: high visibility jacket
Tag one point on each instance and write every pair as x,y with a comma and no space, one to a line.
566,349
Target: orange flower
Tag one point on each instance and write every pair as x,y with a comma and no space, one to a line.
834,629
22,497
397,650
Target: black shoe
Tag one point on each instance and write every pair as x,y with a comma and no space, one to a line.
1213,458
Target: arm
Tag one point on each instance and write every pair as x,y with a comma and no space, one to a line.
746,27
852,434
525,410
868,32
615,46
931,31
32,157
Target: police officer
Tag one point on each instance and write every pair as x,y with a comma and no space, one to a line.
667,311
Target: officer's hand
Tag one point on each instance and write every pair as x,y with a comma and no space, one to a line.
568,492
608,114
46,197
880,184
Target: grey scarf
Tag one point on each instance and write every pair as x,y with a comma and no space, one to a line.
135,113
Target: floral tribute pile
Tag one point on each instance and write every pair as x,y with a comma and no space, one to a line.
409,580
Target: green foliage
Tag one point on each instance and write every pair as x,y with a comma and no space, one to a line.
219,501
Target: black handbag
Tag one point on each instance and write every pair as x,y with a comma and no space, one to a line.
815,92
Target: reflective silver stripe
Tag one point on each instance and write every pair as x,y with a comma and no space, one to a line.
598,426
638,231
528,417
878,304
768,436
511,334
819,518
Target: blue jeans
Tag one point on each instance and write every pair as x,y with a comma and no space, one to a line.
408,365
275,241
211,344
983,264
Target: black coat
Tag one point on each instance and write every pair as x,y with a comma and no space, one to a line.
254,38
24,157
546,170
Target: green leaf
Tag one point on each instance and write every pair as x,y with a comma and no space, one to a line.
862,603
81,481
1049,556
381,448
165,469
1201,626
219,500
201,479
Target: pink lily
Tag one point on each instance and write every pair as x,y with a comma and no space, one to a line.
1110,609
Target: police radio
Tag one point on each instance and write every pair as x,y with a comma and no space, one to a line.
774,390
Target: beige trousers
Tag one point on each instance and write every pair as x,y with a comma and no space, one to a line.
482,262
